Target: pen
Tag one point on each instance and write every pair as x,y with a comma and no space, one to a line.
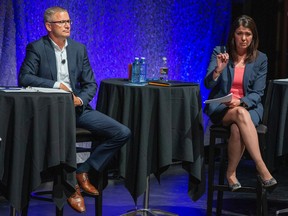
223,49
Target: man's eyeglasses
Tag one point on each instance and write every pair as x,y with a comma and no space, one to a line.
62,22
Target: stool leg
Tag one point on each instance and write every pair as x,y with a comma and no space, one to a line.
258,199
98,204
221,181
12,211
59,212
264,203
261,200
210,175
25,210
98,199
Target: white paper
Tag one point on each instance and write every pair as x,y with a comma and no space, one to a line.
224,99
13,89
48,90
33,89
281,80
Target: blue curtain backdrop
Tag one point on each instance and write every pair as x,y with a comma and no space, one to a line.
115,31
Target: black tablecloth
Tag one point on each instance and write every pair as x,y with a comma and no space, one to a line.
166,125
277,111
38,134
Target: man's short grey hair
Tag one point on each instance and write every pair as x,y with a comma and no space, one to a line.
51,11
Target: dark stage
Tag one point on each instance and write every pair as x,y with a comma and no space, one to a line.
171,195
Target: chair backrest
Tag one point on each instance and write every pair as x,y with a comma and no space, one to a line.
83,135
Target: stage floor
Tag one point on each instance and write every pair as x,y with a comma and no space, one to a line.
171,195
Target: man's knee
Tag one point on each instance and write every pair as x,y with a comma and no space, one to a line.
125,133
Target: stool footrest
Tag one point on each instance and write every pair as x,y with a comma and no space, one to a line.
242,189
84,149
42,195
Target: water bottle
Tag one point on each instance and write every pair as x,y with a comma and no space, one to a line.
164,70
143,70
135,71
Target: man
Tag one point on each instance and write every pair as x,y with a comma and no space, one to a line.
57,61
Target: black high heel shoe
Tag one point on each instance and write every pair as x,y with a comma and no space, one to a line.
268,184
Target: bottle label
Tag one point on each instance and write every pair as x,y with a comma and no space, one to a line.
163,70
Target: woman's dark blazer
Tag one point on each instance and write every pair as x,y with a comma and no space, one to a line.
254,83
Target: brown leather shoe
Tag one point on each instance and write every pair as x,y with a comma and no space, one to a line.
76,201
85,184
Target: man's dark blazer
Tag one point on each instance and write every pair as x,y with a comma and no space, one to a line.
39,68
254,83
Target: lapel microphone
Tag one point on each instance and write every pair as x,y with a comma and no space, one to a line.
63,61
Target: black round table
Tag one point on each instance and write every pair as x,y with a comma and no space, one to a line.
277,111
38,134
166,125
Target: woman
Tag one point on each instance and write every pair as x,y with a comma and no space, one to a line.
242,71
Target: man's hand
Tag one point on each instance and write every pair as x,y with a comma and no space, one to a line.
64,87
77,101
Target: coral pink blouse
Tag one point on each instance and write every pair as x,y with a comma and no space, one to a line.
237,85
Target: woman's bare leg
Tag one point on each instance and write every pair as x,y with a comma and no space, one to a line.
235,152
241,117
